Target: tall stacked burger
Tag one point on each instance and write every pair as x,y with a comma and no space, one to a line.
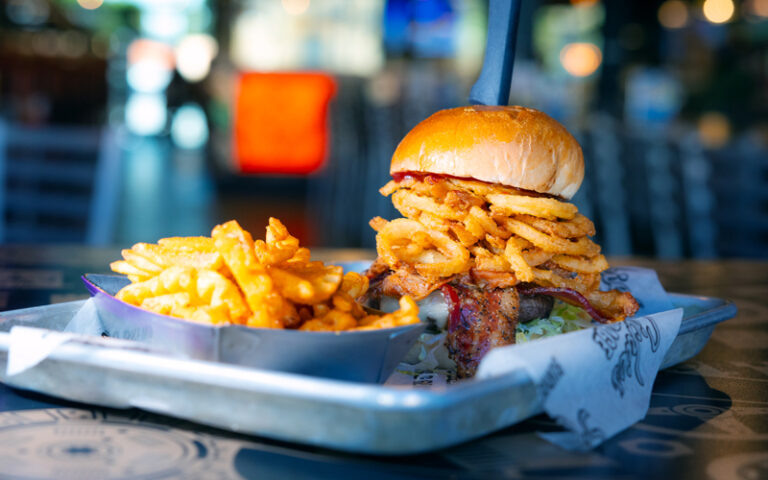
489,244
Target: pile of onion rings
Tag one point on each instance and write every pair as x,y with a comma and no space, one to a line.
499,235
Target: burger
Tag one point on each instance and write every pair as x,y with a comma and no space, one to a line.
489,244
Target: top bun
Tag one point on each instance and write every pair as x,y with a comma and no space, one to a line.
514,146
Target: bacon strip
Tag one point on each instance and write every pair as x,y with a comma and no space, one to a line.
567,295
480,319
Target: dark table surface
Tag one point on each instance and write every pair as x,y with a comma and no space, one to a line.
708,417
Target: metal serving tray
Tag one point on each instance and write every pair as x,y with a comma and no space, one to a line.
342,415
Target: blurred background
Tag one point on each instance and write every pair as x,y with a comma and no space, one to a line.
129,120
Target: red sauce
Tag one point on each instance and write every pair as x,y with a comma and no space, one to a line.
435,177
454,307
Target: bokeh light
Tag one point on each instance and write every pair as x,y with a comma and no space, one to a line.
673,14
27,12
45,43
164,22
269,39
90,4
718,11
150,65
148,76
581,59
145,113
72,44
189,128
145,49
194,54
714,129
295,7
100,46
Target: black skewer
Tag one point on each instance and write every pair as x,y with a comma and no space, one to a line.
492,86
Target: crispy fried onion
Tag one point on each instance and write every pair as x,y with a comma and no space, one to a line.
613,304
579,226
408,241
499,235
551,243
548,208
406,201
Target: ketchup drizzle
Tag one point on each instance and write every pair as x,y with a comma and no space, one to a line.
452,299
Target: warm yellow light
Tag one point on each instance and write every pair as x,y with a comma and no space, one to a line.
714,129
90,4
581,59
295,7
718,11
673,14
194,54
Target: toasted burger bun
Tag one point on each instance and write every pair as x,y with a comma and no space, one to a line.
513,146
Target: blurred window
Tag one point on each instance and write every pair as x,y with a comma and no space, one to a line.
332,35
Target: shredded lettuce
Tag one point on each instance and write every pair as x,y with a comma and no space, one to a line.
564,318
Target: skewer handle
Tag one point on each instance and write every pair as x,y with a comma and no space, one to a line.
492,86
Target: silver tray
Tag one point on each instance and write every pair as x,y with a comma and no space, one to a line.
342,415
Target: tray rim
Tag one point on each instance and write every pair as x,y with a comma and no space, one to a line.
395,405
724,310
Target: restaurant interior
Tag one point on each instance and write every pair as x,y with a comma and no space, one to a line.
124,121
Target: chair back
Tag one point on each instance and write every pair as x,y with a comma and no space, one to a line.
58,184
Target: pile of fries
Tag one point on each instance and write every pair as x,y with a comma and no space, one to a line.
497,234
230,279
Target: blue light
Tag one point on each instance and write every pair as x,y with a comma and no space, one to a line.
189,128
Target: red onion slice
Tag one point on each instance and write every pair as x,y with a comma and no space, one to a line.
567,295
